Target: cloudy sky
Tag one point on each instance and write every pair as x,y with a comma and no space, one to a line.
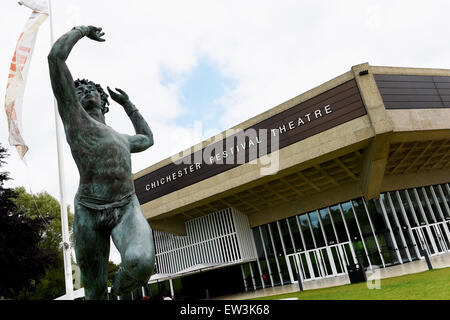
195,68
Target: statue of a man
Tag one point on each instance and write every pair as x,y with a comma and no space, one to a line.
105,204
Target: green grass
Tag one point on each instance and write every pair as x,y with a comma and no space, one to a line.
428,285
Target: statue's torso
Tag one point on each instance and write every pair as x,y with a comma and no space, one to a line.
103,159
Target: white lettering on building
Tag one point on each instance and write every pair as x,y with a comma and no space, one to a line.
253,142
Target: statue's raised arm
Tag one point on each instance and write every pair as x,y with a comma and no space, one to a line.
144,136
60,76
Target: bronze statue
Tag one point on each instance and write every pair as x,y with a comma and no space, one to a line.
105,204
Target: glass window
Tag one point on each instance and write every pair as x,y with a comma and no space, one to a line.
265,273
416,208
435,209
441,228
382,232
266,240
294,269
314,263
296,233
280,252
446,193
338,261
327,225
397,210
309,243
154,293
350,221
261,257
317,230
275,273
361,214
369,238
409,214
177,287
426,209
441,201
247,276
338,223
286,236
395,228
356,240
276,238
270,254
256,274
376,215
258,243
284,269
403,226
389,213
326,264
159,288
304,266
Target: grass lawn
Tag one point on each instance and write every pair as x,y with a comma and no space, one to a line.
428,285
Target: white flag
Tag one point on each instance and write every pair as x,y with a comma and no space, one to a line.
18,72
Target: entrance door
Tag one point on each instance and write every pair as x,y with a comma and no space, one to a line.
340,258
300,262
432,238
319,263
423,240
438,231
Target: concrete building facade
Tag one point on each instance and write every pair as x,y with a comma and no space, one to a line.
355,170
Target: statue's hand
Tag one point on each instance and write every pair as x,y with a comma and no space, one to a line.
121,97
95,33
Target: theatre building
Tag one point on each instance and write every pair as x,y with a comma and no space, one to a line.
356,170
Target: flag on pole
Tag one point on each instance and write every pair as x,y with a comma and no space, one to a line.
18,72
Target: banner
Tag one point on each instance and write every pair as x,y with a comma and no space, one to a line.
18,73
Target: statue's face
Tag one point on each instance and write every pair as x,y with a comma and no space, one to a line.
88,96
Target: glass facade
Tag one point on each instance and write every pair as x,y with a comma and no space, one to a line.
396,228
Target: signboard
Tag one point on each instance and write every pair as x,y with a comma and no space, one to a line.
327,110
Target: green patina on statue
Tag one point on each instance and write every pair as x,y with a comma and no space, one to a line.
105,204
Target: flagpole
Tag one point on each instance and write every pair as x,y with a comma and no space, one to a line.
64,216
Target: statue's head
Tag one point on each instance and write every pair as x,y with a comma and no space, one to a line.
91,95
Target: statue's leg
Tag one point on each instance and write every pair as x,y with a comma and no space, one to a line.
133,238
92,252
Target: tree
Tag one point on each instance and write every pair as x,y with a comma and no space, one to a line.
43,205
22,260
52,284
112,269
41,212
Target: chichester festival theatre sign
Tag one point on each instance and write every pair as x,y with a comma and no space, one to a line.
257,144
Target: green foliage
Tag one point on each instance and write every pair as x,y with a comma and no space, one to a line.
52,285
43,205
112,269
22,260
32,264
